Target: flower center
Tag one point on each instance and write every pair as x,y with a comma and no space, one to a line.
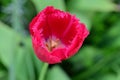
52,43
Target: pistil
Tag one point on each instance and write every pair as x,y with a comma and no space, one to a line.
52,43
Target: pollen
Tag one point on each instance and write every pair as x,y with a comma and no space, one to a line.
52,43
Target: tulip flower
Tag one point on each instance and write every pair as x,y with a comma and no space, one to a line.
56,35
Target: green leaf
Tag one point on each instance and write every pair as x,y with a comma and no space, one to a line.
118,76
108,77
114,30
37,63
113,36
9,40
25,69
41,4
21,66
3,75
83,18
56,73
92,5
86,56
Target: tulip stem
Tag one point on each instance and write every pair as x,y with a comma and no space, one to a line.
43,71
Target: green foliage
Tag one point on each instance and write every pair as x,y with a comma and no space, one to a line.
56,73
8,38
83,18
98,59
41,4
17,55
92,5
87,56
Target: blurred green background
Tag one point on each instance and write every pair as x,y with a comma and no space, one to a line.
98,59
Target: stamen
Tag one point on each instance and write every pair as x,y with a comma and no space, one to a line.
52,43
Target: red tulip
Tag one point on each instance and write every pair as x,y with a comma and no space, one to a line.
56,35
